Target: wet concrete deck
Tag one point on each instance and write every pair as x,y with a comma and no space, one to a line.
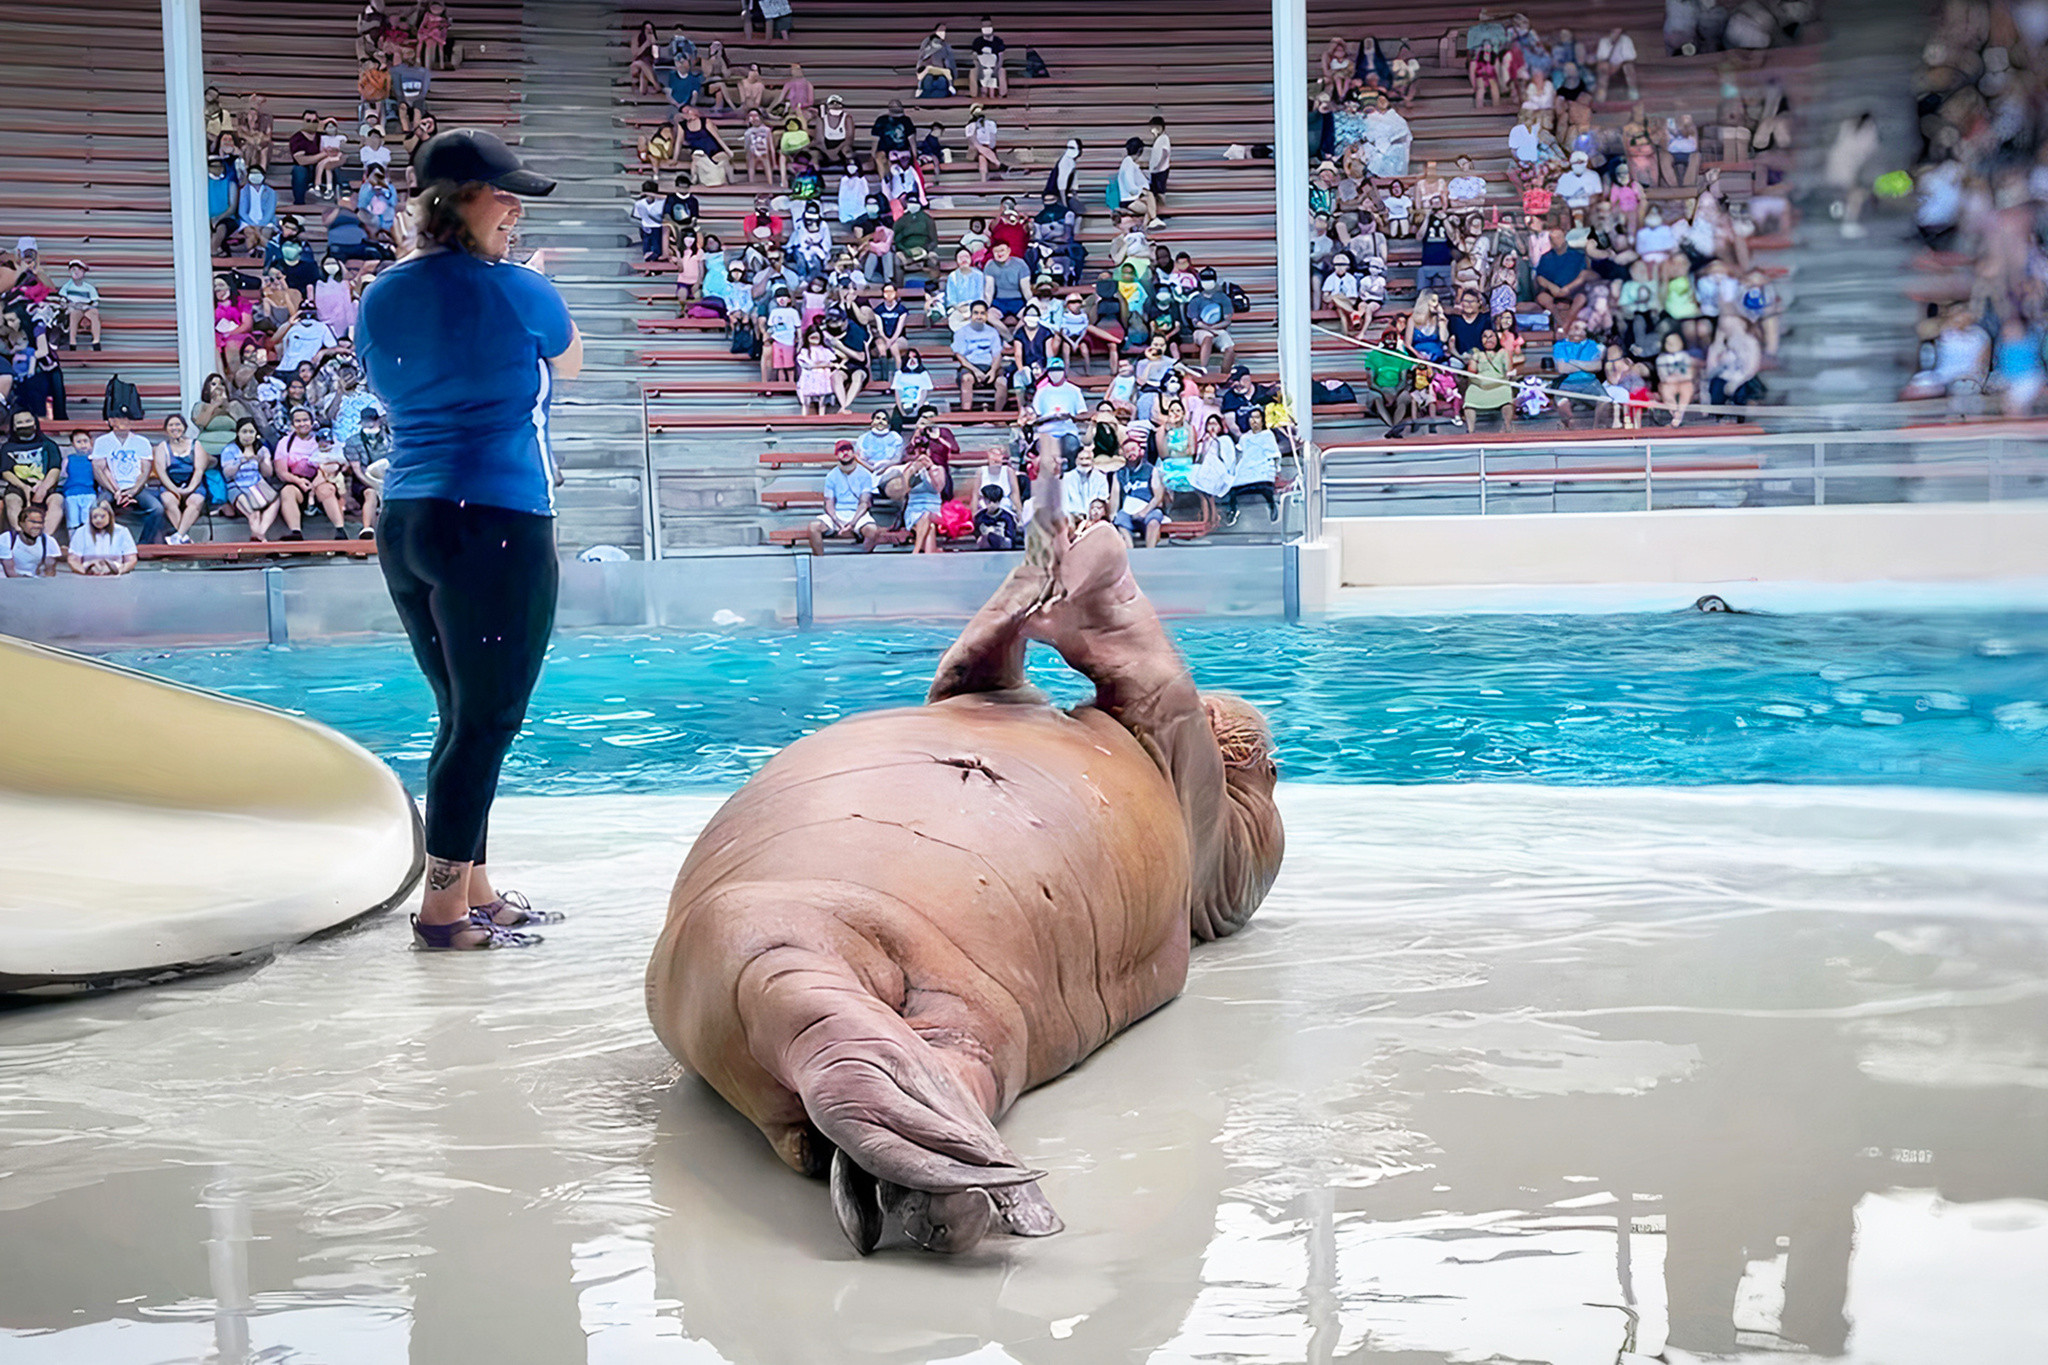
1498,1074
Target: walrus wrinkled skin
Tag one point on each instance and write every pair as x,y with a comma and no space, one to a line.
908,919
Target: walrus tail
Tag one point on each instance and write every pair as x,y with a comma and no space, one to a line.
875,1088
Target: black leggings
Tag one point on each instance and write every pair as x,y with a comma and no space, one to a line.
475,587
1252,490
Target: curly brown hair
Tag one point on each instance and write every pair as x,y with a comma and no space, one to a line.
437,214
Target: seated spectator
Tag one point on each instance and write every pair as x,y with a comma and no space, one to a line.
1491,386
849,494
1468,188
991,79
31,474
641,60
257,213
308,471
121,461
924,482
1139,496
81,305
1580,185
980,132
1009,282
101,546
681,81
1564,273
1256,470
935,66
180,466
232,322
1733,364
716,71
977,344
1469,324
995,526
1087,482
798,96
27,549
1616,53
912,387
437,46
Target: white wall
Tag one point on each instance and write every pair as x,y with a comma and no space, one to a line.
1945,542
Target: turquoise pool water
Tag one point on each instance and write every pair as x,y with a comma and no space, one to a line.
1936,700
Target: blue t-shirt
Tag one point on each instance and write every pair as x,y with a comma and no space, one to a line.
457,349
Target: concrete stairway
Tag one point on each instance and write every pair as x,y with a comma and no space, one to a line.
1852,339
570,131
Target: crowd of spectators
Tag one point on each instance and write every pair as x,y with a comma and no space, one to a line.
1621,234
1981,207
832,279
286,429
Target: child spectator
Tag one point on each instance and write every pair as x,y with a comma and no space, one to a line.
374,106
646,213
81,305
995,526
81,477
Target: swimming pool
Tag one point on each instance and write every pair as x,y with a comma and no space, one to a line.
1943,700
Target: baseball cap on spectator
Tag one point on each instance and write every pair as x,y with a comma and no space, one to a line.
1577,238
76,264
463,155
842,449
25,246
1055,366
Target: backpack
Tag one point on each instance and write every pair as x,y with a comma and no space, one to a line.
1034,65
1239,300
122,397
747,342
1327,392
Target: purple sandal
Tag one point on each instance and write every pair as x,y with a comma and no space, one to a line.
520,909
440,938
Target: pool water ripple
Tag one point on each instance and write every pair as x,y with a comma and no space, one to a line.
1671,699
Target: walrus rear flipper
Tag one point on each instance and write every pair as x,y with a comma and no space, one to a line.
876,1089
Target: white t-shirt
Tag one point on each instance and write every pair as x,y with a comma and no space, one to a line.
1618,50
1524,142
1057,405
1080,488
303,340
375,156
29,556
124,456
1161,158
1468,189
109,547
1578,187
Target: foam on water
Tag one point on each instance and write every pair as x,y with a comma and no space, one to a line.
1543,1074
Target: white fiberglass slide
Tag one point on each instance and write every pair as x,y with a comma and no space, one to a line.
150,826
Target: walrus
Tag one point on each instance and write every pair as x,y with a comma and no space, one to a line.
903,922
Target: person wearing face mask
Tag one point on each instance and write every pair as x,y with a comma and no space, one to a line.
990,77
377,206
1030,349
1209,313
334,303
463,346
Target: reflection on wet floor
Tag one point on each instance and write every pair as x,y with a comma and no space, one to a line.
1499,1074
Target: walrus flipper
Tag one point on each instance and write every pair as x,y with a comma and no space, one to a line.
875,1088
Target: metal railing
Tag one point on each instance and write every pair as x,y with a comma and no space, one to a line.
2010,459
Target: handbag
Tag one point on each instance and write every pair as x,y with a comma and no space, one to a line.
707,172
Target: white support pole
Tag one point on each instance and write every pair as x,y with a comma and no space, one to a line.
191,233
1290,179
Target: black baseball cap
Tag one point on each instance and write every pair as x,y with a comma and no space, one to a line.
466,154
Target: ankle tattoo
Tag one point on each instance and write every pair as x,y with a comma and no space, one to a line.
443,873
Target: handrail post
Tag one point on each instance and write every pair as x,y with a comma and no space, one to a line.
1820,473
650,509
1649,476
1482,481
